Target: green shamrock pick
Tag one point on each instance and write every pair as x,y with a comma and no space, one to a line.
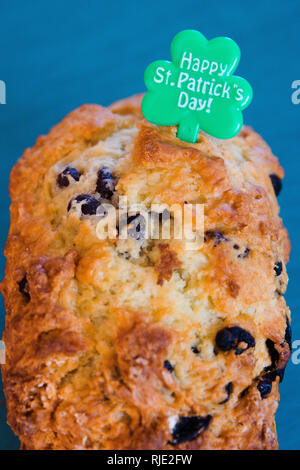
197,89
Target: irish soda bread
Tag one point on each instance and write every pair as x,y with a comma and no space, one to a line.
139,343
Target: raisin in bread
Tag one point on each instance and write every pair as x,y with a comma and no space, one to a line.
141,343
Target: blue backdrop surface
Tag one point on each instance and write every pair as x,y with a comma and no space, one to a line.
58,55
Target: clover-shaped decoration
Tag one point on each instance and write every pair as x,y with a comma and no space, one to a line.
197,89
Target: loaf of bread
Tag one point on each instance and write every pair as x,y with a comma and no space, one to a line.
141,343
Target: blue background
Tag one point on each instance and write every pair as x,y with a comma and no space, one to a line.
55,56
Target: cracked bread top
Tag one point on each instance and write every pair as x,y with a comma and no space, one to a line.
142,344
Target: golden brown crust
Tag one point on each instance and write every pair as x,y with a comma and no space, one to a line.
167,263
91,323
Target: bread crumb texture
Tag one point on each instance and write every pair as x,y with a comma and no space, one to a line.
142,344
